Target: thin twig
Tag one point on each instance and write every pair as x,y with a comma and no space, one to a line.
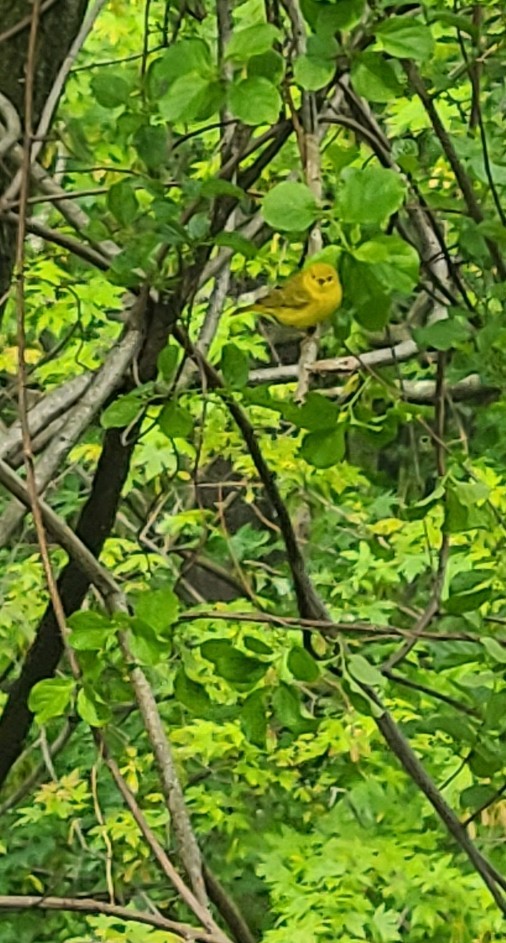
188,848
328,627
55,94
485,805
107,379
159,853
33,778
311,606
26,21
79,249
21,334
461,176
12,132
433,605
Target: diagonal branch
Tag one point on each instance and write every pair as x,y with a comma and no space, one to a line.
311,606
108,377
461,176
55,404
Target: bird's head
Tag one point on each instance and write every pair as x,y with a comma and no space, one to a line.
321,278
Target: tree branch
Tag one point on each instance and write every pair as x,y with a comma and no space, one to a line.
108,377
311,606
86,905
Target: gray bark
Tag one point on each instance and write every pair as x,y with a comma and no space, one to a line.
58,26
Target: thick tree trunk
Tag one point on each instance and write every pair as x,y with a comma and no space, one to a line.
59,23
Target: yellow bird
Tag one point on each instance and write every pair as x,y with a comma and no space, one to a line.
304,299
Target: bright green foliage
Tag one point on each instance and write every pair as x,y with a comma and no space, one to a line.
184,151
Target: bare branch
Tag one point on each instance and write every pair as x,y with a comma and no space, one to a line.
12,132
87,905
159,853
187,843
22,24
311,606
55,93
51,407
64,535
104,383
33,778
461,176
384,357
80,249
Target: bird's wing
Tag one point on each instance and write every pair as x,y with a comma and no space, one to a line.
291,295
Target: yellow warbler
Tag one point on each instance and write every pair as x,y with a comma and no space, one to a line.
304,299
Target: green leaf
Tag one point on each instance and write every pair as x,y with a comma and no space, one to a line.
316,414
361,670
251,41
175,421
396,263
476,796
110,90
253,718
342,15
192,695
312,73
369,195
290,206
385,924
463,23
231,664
50,698
167,362
496,706
122,412
324,449
329,18
486,760
374,312
457,727
122,202
186,55
218,187
256,645
238,243
375,77
269,65
496,651
88,619
234,366
158,608
90,630
152,145
255,100
169,228
464,506
146,646
371,303
192,96
286,706
93,710
302,665
405,38
468,601
322,46
443,334
198,227
469,579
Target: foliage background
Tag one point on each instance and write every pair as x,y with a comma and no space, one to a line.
185,141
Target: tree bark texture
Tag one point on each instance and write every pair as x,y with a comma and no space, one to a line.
59,23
